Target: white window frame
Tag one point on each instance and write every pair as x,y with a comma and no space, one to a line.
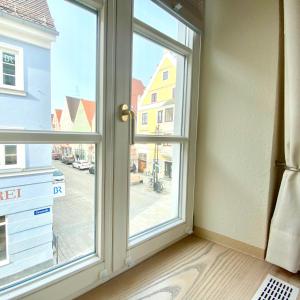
72,280
5,261
20,157
18,88
128,252
67,280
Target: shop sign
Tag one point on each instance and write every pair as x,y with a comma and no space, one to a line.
10,194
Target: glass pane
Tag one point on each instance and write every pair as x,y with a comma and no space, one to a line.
2,243
9,69
156,17
9,80
154,185
50,211
9,58
57,70
157,88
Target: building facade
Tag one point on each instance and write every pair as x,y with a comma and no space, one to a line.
155,115
26,193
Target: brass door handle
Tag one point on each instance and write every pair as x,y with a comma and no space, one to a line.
125,113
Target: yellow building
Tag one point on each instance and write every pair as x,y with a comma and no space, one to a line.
155,115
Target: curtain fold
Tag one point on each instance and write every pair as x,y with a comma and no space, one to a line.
190,12
284,239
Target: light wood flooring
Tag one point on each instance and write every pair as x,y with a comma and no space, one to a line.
192,269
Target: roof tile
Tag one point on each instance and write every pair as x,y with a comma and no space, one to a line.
36,11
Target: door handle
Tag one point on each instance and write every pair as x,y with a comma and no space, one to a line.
127,114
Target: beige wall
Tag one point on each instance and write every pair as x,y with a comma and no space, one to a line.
238,96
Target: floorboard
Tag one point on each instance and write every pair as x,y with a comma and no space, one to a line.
192,269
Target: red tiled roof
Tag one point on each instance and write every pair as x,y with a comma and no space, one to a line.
137,89
58,113
35,11
89,108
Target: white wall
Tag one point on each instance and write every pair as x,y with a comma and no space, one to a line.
238,96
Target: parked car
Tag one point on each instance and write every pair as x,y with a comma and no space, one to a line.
81,164
56,156
92,169
68,159
58,176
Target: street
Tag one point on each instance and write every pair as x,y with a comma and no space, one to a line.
73,214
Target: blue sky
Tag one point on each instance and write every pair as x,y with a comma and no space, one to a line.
73,59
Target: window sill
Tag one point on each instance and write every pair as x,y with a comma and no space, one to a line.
153,232
11,91
24,171
50,278
4,262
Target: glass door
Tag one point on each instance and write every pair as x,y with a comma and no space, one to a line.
154,140
52,146
97,140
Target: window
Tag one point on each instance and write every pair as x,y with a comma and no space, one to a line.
12,156
153,97
165,75
144,118
11,68
3,241
160,116
169,115
72,209
49,189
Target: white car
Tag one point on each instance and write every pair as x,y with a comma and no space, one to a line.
81,164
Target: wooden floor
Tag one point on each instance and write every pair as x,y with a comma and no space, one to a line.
192,269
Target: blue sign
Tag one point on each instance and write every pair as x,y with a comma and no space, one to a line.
41,211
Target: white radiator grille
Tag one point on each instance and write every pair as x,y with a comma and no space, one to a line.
273,288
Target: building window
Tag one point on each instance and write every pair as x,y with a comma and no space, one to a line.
165,75
3,241
159,116
12,156
144,118
11,68
153,97
169,115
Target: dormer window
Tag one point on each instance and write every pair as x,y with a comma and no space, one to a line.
11,69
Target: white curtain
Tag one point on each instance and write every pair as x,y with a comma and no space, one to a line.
284,241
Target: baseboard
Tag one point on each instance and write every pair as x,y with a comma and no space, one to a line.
230,243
